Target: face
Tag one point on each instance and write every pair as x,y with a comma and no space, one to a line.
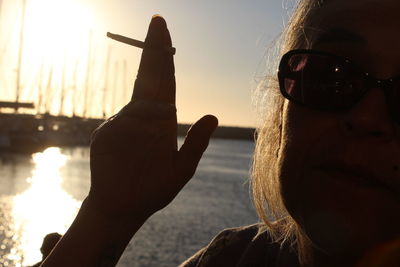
326,158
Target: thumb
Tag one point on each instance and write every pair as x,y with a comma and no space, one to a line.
195,144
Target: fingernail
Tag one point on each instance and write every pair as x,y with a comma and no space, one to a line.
157,35
156,15
158,20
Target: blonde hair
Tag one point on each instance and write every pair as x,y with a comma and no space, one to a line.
265,182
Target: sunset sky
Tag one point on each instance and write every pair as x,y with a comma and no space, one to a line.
220,48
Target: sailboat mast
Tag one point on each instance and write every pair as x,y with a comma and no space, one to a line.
124,87
20,50
87,83
115,89
3,52
106,81
48,90
74,89
1,8
60,113
40,89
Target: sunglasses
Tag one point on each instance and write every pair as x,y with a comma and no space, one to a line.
328,82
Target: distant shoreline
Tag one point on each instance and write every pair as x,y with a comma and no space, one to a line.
27,133
224,132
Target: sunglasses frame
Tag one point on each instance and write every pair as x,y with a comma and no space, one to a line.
368,82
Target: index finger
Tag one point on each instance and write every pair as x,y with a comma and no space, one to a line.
155,80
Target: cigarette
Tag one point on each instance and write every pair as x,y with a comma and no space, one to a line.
135,43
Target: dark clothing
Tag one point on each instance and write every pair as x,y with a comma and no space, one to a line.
248,246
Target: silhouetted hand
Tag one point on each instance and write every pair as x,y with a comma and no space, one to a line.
136,169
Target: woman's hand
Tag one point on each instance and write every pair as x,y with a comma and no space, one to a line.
136,169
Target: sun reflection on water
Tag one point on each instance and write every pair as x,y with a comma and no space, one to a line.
43,208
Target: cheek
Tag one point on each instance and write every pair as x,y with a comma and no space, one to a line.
326,209
302,130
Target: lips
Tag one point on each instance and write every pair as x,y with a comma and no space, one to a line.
359,175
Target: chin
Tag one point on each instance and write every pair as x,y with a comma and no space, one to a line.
342,219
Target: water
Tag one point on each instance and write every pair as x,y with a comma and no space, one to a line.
40,194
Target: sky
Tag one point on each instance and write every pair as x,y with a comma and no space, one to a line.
220,48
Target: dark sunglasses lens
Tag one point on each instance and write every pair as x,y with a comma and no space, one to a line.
393,100
320,81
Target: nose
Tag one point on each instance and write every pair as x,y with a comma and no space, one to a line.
370,117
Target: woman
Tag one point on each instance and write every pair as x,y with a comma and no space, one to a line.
326,163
